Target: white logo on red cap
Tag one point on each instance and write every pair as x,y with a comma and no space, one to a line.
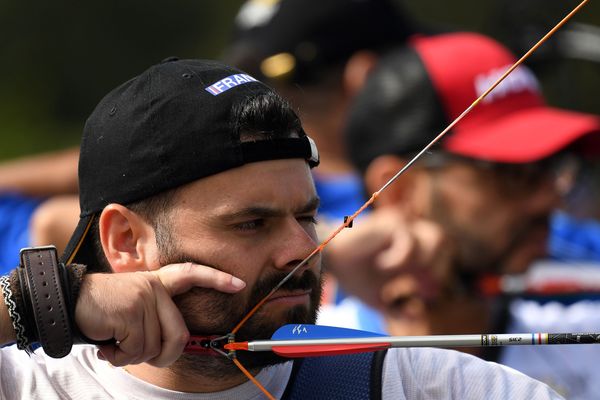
521,79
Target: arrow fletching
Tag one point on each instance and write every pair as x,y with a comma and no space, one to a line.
308,331
298,333
295,332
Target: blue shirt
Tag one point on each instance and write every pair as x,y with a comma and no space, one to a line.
340,195
15,216
573,239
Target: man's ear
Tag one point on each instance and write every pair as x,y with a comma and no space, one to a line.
128,241
357,68
380,171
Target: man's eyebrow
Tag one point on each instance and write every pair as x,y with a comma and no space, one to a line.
268,212
311,205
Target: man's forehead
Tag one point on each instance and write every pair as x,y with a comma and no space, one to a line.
255,184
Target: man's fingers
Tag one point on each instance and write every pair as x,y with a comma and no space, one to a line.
130,349
179,278
436,250
431,239
399,253
144,319
174,334
121,354
152,330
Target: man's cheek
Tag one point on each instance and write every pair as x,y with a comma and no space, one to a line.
204,308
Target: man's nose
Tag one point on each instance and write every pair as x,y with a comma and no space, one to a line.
295,243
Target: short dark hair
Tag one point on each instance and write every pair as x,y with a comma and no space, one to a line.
266,116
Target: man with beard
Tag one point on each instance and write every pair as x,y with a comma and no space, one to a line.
199,165
489,187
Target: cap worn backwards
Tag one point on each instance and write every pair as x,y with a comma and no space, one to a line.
169,126
416,91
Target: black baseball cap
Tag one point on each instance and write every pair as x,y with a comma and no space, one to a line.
169,126
292,41
418,90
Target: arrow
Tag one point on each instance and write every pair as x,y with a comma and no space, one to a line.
304,340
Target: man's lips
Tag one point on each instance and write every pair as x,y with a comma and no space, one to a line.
294,296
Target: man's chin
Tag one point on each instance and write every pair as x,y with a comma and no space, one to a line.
291,308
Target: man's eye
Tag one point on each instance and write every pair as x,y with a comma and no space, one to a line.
250,225
308,218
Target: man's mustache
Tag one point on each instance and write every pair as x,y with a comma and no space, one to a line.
306,281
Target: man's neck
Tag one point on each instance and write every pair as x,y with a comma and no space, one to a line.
169,378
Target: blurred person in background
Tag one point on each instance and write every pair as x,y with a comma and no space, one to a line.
567,65
489,188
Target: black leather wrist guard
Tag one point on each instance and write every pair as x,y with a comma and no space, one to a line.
42,279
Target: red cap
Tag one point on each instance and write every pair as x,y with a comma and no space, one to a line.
513,123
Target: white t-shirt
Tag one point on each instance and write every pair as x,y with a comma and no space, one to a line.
407,374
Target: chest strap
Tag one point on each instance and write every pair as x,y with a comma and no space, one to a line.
352,376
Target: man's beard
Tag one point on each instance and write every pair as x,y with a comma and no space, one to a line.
226,310
475,256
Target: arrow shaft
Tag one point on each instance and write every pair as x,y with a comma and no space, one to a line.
476,340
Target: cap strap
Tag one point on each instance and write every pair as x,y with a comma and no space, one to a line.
276,149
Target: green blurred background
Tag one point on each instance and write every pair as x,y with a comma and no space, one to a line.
59,58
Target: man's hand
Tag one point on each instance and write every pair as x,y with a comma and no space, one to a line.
137,311
386,260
